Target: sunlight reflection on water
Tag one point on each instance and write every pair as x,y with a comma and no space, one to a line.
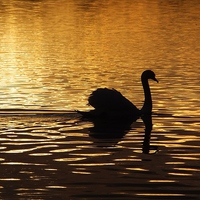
52,55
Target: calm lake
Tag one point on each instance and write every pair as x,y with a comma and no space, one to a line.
53,54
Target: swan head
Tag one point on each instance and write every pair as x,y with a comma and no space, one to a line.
148,74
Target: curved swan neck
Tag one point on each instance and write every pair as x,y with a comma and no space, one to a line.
147,107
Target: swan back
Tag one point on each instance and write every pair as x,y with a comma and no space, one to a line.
108,100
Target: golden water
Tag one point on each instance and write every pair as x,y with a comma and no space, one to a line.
53,54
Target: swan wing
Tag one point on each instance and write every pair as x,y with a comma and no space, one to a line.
104,99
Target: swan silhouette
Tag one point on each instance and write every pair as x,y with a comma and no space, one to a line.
112,104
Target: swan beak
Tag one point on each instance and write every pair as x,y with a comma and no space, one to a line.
155,79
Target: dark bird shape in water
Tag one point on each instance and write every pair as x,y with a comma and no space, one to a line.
110,103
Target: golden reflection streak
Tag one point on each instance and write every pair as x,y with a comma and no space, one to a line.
26,172
188,169
40,154
27,189
162,181
137,169
91,154
184,138
188,154
159,194
175,163
126,159
63,150
179,174
176,145
48,169
36,192
68,159
10,179
21,163
80,172
186,158
92,164
56,187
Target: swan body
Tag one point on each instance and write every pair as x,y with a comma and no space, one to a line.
111,103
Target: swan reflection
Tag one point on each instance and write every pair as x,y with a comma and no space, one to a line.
116,129
147,120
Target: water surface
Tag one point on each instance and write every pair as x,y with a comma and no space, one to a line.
53,54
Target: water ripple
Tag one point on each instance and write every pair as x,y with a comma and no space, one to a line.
69,158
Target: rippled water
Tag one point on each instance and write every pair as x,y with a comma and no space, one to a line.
53,54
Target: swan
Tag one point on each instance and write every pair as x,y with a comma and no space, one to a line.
112,104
